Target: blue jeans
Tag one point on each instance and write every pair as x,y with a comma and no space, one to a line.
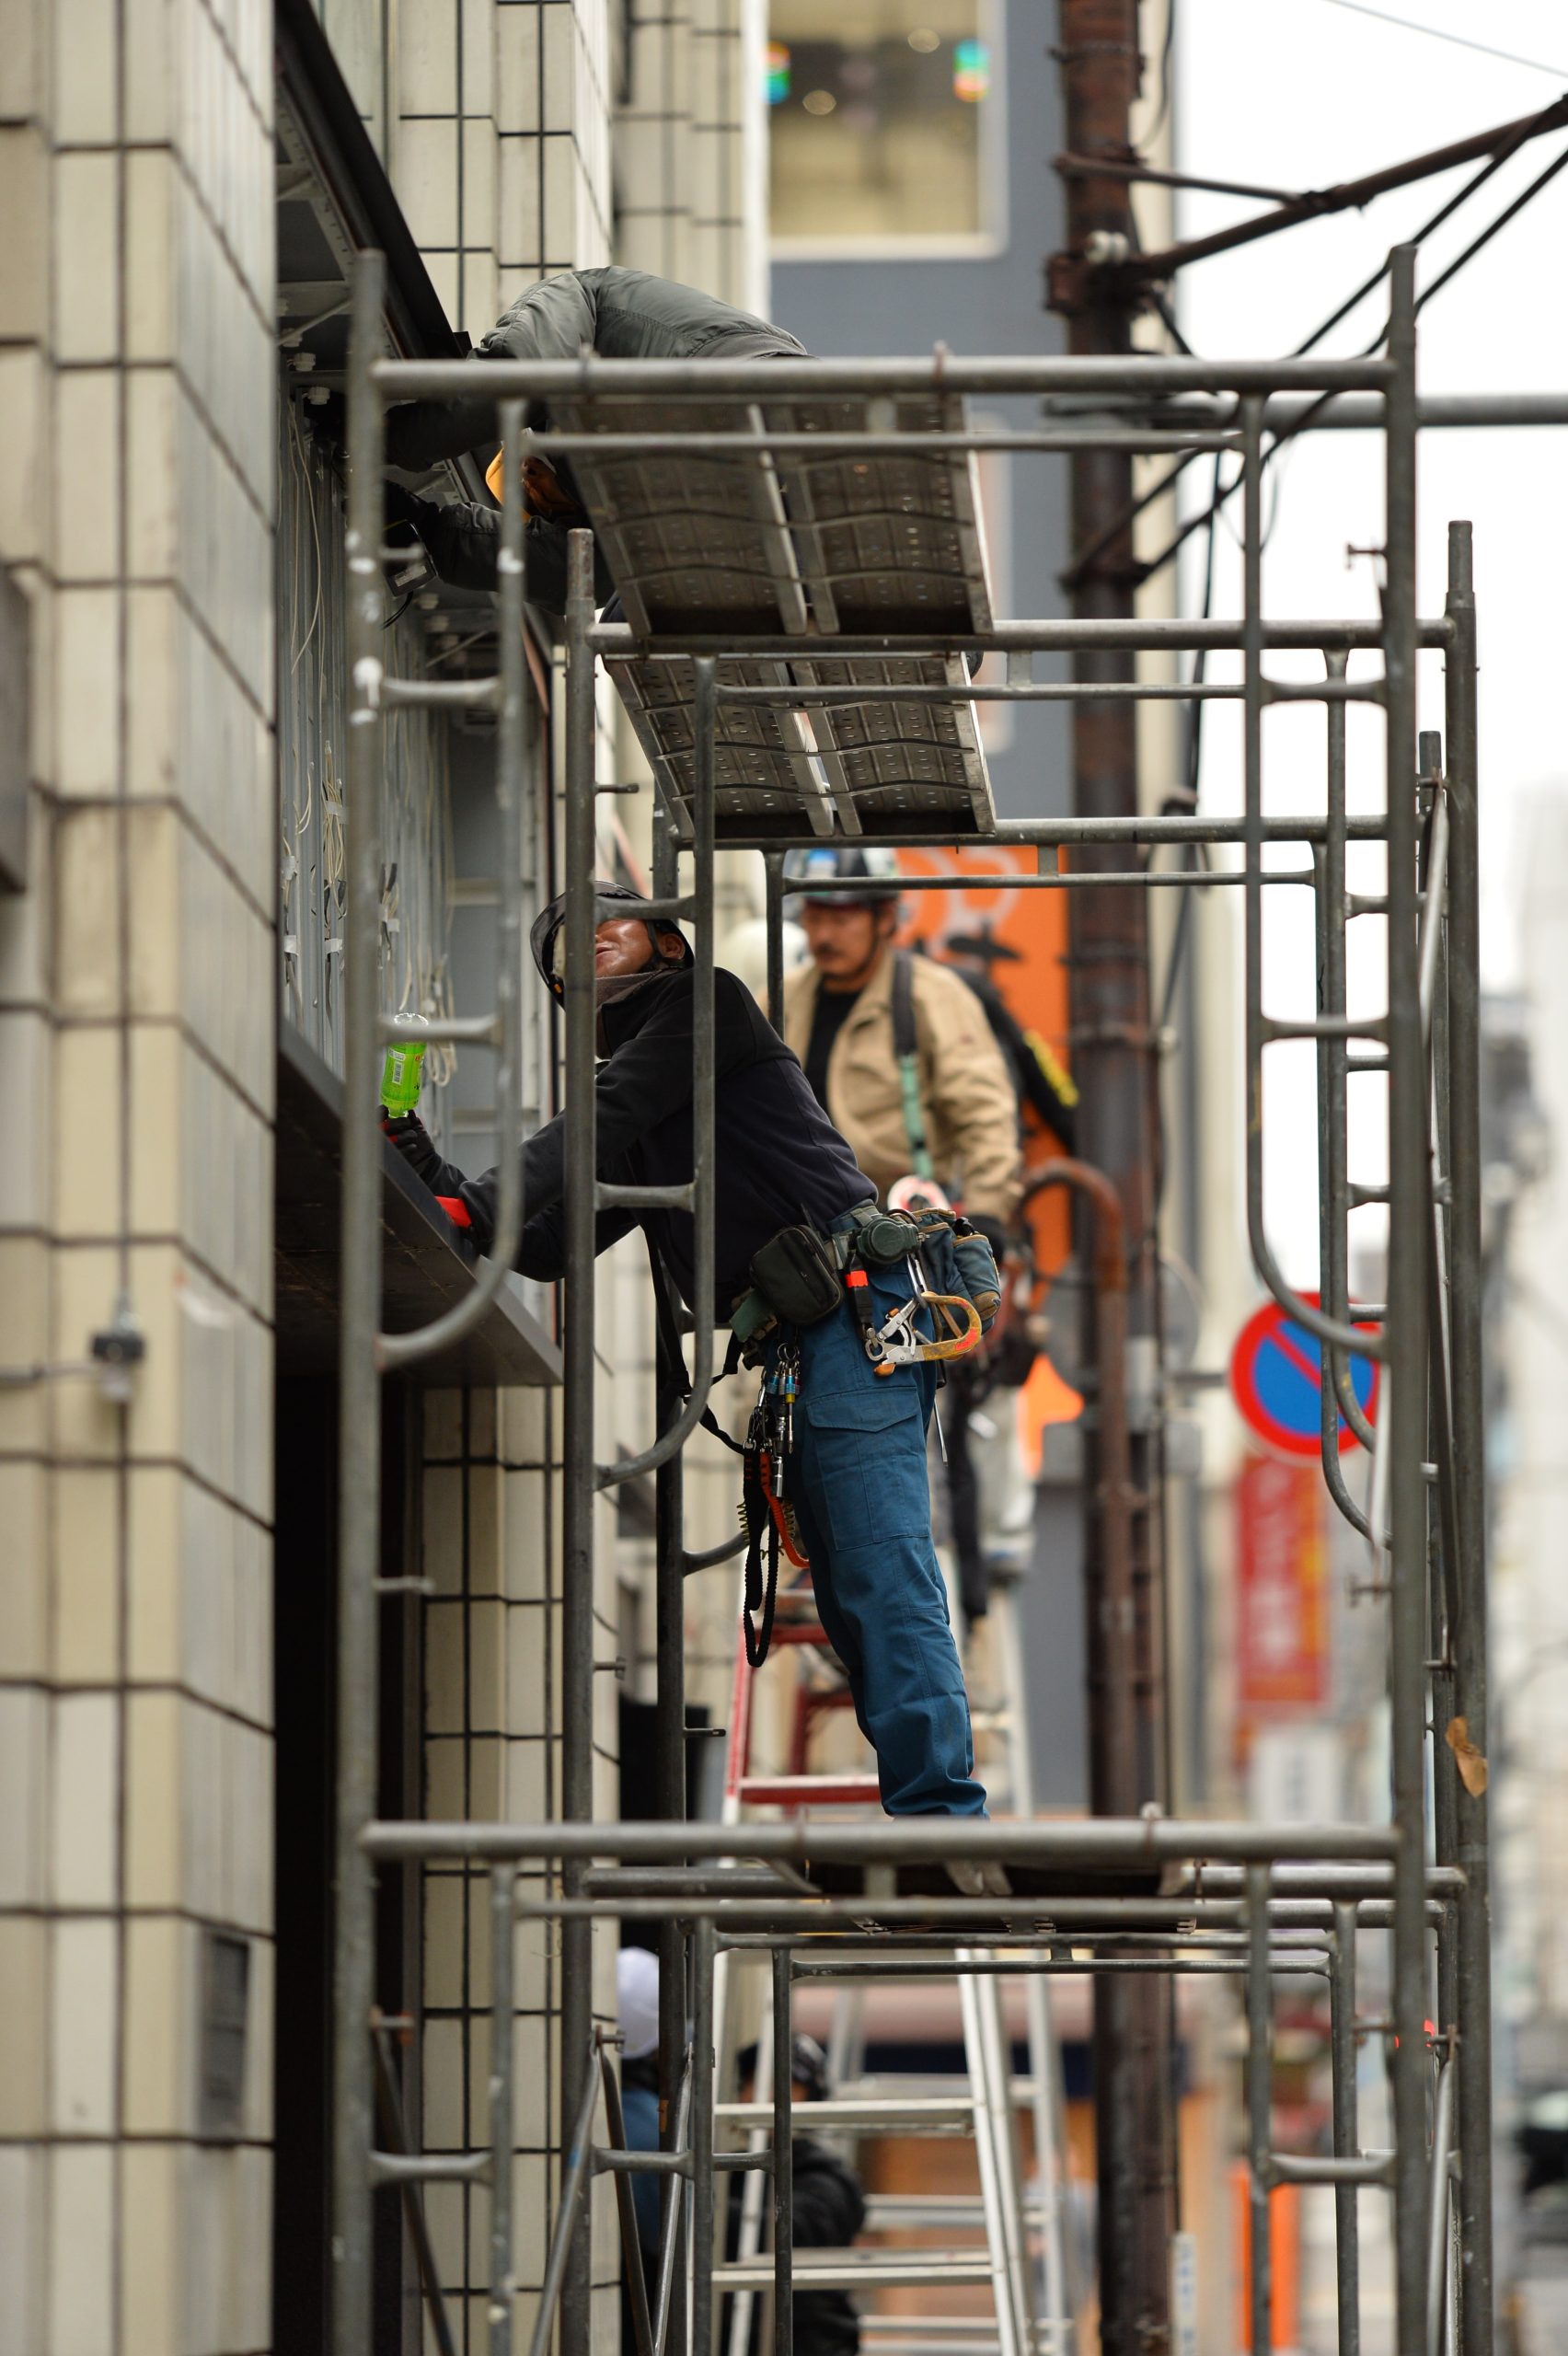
858,1485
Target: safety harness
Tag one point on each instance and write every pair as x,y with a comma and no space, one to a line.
906,1055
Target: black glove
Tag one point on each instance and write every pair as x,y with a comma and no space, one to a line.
994,1230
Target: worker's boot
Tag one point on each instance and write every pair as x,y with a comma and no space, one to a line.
979,1877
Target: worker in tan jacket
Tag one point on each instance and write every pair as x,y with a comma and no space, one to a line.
902,1054
898,1048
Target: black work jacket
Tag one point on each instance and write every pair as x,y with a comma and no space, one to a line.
777,1156
830,2210
618,314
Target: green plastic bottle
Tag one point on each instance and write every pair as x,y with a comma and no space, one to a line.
401,1075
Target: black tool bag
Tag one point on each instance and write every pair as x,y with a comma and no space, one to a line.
797,1274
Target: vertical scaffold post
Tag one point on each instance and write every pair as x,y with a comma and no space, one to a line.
669,1648
1469,1448
359,1381
1259,2108
1347,2129
503,1944
703,1942
1409,1178
579,1506
783,2157
773,905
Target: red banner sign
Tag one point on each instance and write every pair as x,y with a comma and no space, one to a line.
1281,1638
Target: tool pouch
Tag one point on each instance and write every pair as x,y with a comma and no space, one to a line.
798,1275
978,1278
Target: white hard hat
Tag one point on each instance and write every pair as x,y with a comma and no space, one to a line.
637,2002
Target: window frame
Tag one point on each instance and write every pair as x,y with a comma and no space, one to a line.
990,240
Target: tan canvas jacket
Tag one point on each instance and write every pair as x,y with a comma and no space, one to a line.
969,1107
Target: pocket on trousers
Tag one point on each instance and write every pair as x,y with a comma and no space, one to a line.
872,1406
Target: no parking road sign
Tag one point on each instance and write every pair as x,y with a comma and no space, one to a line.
1276,1379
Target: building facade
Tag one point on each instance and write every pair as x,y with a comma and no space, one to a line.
185,188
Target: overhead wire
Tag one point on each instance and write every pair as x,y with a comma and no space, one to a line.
1195,522
1458,41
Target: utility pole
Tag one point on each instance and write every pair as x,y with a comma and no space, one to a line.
1115,1051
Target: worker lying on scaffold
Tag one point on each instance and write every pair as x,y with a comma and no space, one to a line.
844,1309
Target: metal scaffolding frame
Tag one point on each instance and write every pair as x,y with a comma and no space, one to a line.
1214,1897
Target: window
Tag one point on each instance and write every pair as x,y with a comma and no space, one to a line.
884,122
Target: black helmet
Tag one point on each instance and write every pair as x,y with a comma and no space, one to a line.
844,862
808,2065
545,934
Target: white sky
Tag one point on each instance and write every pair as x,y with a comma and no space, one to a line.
1298,94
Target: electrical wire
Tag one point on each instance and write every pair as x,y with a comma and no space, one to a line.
1148,499
1458,41
1288,434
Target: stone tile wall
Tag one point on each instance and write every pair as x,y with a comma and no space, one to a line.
136,492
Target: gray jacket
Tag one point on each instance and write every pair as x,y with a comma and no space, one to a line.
618,314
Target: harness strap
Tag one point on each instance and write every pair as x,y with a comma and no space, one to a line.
906,1048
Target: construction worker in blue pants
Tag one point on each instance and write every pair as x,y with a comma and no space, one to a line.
859,1463
858,1485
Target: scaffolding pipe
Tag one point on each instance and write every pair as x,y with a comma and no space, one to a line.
1469,1384
579,1477
1404,1411
358,1384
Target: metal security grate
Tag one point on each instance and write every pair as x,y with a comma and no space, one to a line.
226,2008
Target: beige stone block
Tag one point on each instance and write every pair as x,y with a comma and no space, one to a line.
155,1874
525,1425
24,258
426,172
24,1740
24,915
24,1622
85,1620
86,66
443,2059
528,1655
477,35
426,51
480,162
532,1535
443,1433
83,1800
157,461
85,274
442,1529
517,69
444,276
155,910
26,1055
22,479
527,1783
446,1634
21,29
457,1940
154,634
85,1287
161,1958
82,2019
24,1288
87,913
23,2040
486,1568
86,689
155,1582
518,212
151,185
151,2230
86,1191
81,2248
481,303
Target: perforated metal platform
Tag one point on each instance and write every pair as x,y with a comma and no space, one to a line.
789,545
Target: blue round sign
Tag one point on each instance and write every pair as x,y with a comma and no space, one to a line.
1276,1379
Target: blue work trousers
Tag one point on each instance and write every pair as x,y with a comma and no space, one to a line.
858,1485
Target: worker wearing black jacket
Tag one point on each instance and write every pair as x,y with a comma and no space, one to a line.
828,2204
858,1477
617,314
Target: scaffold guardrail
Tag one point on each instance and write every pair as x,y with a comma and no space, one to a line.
1247,1900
